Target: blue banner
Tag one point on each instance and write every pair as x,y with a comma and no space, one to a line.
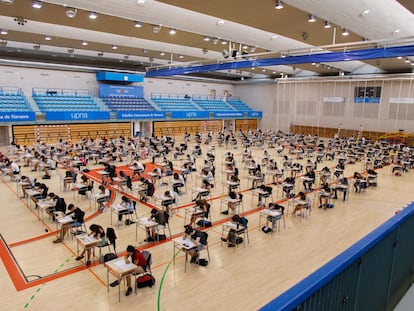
255,114
77,116
106,90
17,116
118,76
190,114
369,100
141,115
228,114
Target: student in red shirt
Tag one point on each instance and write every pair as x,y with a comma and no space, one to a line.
138,259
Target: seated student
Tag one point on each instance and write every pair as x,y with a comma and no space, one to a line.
160,218
129,208
205,185
27,182
325,193
98,233
103,196
276,207
138,168
178,182
359,182
310,179
168,199
267,191
156,175
148,191
241,223
126,180
236,199
14,170
138,259
342,186
78,219
204,207
88,185
59,208
303,202
199,237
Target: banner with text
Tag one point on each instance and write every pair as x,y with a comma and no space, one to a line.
77,116
106,90
141,115
17,116
190,114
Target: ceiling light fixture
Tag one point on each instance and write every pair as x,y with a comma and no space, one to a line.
253,49
345,32
311,18
162,53
407,60
399,57
279,5
274,37
71,13
173,31
365,12
138,24
7,1
100,54
84,43
215,40
327,25
71,50
223,41
114,47
181,56
396,31
36,46
93,15
245,47
156,28
220,22
37,4
4,32
140,2
48,38
206,38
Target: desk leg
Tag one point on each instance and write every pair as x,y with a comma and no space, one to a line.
119,289
107,280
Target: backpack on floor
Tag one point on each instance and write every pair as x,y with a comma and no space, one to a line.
239,240
266,229
203,223
108,257
203,262
145,280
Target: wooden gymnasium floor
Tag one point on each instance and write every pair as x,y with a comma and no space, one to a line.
241,279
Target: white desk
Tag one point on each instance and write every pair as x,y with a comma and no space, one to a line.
146,224
119,269
186,245
272,216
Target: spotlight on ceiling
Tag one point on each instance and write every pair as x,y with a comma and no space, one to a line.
156,28
173,31
140,2
311,18
4,32
253,49
181,56
114,47
84,43
71,50
20,20
327,25
48,38
138,24
100,54
215,40
7,1
345,32
279,5
206,38
36,46
93,15
71,12
205,51
37,4
224,41
162,53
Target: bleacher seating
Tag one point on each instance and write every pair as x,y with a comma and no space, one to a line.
239,105
65,102
175,104
13,101
124,103
213,105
